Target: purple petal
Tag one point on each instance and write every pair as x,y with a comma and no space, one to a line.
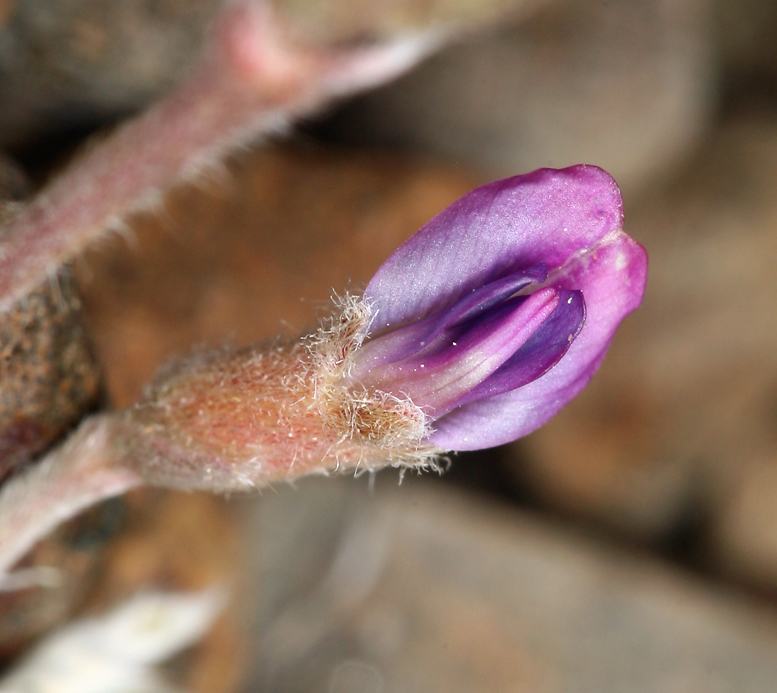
480,300
612,277
540,352
510,225
399,344
468,356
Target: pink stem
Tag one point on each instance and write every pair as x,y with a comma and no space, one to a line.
252,83
68,480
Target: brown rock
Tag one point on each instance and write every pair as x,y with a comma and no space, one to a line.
49,374
744,541
5,10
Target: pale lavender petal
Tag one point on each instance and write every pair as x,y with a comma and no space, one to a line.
539,353
612,277
497,229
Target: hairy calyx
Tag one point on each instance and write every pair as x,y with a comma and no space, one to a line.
232,420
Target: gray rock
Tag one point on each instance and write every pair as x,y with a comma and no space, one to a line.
63,64
745,31
414,589
15,186
81,62
628,85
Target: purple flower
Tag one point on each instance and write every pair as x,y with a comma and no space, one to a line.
501,308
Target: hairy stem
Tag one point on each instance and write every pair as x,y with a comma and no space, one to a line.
252,82
68,480
224,421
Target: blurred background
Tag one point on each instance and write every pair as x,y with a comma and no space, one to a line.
628,545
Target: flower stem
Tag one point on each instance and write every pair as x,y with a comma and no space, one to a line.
252,82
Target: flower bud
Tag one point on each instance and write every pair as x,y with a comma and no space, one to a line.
473,333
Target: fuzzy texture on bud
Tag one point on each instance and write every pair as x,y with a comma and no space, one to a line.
473,333
232,420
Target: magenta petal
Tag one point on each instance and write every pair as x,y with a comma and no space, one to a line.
479,301
539,353
406,341
437,379
568,221
513,224
612,277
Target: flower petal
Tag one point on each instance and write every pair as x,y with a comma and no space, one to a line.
539,353
612,277
406,341
510,225
466,355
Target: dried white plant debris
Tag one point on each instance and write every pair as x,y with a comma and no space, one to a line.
117,652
